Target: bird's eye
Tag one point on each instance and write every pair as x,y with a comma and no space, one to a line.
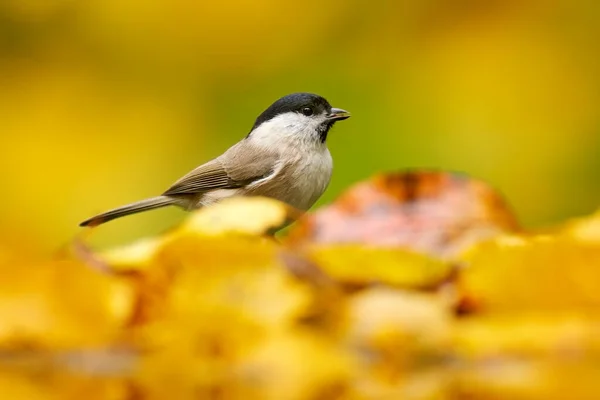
307,111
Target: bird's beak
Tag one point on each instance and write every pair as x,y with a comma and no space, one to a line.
337,114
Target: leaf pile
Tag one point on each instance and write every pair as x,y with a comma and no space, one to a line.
411,286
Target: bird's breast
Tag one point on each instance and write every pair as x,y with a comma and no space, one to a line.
299,181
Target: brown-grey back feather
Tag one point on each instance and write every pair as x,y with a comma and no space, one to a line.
201,179
237,167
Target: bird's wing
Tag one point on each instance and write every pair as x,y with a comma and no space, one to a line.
236,168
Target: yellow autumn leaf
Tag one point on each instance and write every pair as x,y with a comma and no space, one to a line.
527,379
297,366
543,272
585,229
137,255
364,265
398,322
255,216
19,384
533,334
239,215
239,273
60,304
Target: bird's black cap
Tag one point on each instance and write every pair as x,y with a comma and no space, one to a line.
294,102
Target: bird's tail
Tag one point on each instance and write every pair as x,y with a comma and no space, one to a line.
133,208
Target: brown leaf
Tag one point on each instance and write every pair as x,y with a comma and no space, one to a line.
432,212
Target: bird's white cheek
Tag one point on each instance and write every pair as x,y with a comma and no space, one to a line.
285,129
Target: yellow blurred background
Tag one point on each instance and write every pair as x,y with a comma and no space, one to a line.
104,102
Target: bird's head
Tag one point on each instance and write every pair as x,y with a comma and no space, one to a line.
298,116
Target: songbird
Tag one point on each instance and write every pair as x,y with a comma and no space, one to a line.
285,157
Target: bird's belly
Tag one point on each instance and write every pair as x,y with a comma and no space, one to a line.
212,197
304,192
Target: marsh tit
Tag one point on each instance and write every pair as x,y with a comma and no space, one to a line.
284,157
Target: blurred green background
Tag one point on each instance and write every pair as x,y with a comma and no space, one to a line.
103,102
